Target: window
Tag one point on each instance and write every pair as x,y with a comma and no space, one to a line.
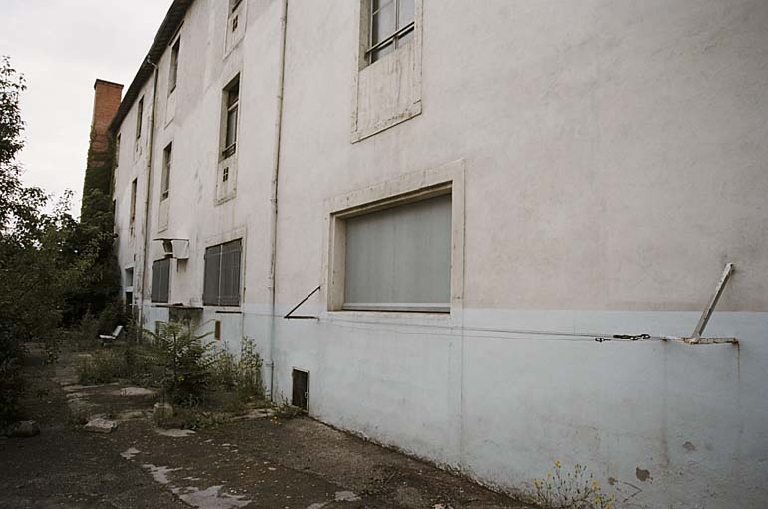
232,104
221,279
161,276
117,149
174,70
392,25
165,177
399,259
134,186
139,117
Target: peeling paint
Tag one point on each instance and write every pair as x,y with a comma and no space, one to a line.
642,474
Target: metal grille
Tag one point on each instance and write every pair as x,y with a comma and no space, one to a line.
221,280
161,275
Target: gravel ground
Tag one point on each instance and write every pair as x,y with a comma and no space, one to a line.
258,462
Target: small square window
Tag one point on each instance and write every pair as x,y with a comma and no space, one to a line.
225,174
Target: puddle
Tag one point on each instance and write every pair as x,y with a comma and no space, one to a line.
210,498
174,433
346,496
160,474
130,453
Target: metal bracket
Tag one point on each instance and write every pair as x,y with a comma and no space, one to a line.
291,316
707,313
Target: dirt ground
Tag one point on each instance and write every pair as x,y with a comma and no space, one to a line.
253,462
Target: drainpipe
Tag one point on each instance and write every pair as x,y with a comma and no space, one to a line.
148,201
273,200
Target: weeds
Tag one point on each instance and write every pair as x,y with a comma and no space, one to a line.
284,410
577,489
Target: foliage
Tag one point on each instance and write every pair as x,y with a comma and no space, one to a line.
241,375
186,362
577,489
53,269
285,410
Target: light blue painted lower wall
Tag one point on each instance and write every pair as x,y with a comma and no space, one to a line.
503,407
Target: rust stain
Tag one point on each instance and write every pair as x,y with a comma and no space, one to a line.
642,474
689,446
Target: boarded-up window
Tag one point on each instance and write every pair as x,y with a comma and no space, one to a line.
161,273
221,280
399,259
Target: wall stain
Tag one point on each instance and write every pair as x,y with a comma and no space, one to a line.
689,446
643,475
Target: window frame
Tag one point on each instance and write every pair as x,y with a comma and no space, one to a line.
134,198
159,278
230,108
394,37
173,70
139,118
409,188
218,299
165,173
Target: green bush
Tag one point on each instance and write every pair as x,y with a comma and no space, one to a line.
185,360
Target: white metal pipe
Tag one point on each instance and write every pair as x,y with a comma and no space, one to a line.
147,202
273,198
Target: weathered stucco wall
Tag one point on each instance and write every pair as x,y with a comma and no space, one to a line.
614,161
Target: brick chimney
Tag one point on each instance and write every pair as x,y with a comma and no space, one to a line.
106,100
98,173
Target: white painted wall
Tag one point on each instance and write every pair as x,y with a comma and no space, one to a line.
615,160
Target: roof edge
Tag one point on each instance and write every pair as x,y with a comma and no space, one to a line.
167,30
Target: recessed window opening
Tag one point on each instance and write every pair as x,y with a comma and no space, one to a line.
225,174
134,190
399,258
221,278
392,25
139,117
161,275
174,69
165,178
232,105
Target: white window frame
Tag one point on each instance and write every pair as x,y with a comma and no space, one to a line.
390,75
392,38
173,69
165,173
410,188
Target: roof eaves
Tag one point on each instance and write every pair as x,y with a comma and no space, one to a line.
167,30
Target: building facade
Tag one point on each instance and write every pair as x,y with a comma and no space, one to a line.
470,194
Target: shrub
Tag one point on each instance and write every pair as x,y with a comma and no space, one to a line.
186,362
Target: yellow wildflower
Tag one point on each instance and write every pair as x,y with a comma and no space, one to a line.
557,464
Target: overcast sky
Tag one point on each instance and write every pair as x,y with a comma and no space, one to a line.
62,47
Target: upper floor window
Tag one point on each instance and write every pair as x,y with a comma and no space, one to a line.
134,186
165,177
117,149
231,113
391,26
139,117
174,69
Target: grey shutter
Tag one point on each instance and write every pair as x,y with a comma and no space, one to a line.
229,287
211,276
161,276
400,258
